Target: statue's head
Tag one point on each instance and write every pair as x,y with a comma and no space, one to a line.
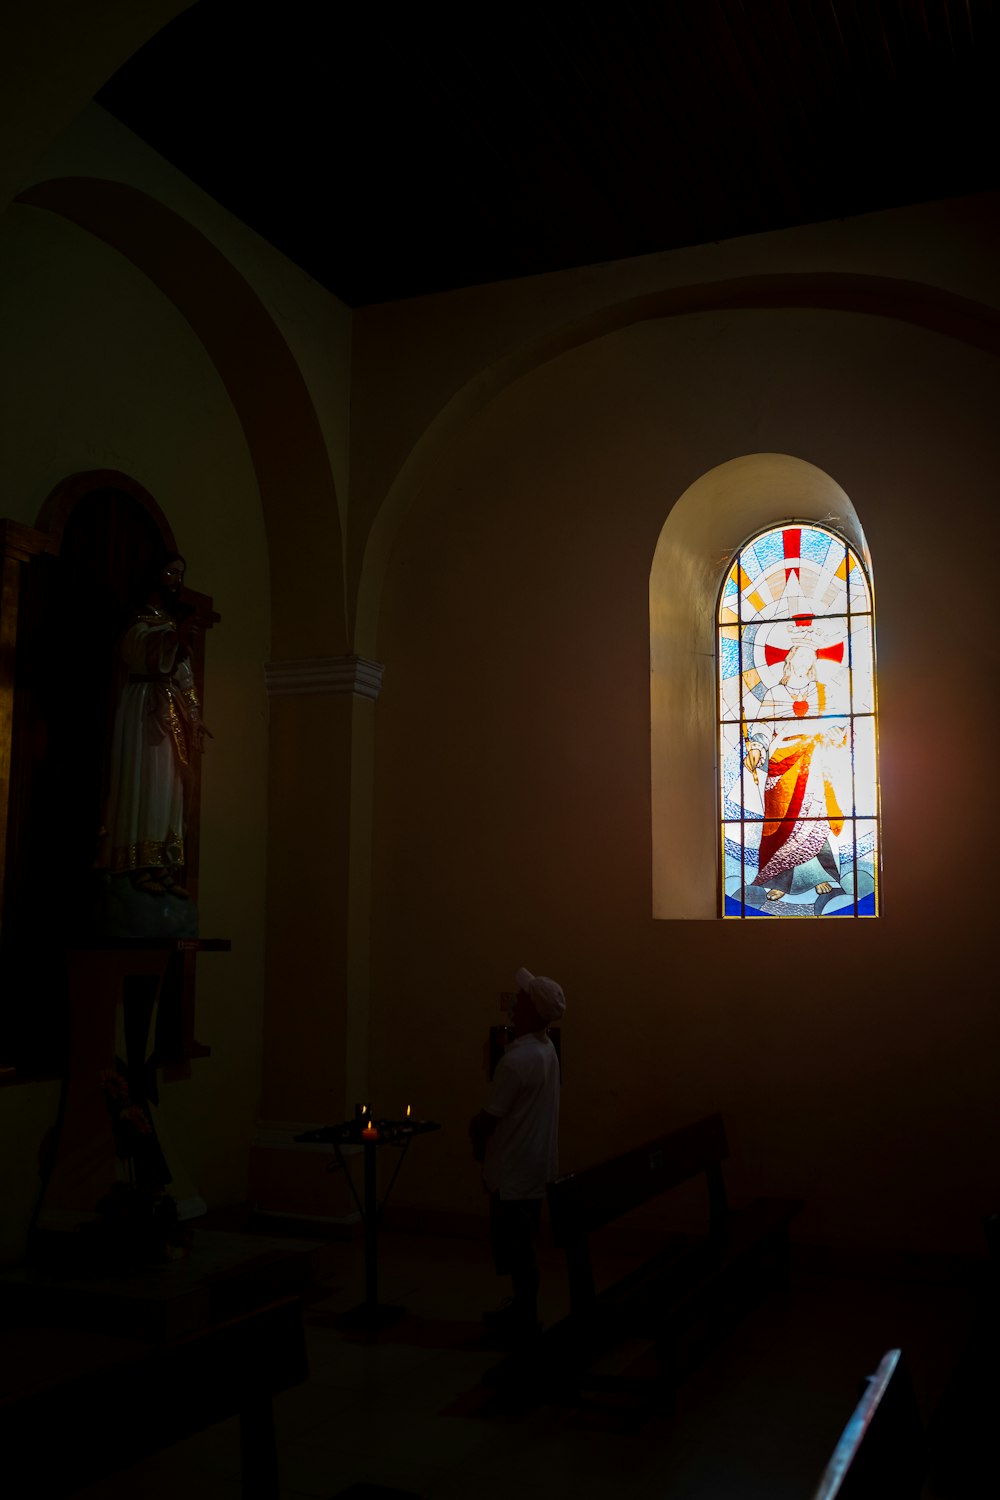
164,575
171,579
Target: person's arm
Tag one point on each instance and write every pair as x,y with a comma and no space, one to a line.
481,1127
502,1096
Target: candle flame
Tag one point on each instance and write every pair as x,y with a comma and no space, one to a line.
407,1111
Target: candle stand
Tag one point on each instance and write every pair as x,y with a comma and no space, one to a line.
371,1135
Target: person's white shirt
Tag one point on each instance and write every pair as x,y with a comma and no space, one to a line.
522,1151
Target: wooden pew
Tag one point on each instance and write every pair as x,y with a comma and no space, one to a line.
76,1405
880,1454
700,1279
120,1365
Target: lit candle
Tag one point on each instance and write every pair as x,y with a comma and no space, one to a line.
407,1111
369,1133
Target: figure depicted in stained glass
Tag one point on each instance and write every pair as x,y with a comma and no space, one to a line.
804,790
797,762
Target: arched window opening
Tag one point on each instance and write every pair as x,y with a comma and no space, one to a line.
798,762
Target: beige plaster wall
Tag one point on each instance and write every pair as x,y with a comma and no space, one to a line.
855,1063
422,368
55,55
315,325
99,370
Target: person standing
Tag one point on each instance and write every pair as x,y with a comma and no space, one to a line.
515,1136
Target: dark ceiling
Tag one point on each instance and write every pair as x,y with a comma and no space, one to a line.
393,150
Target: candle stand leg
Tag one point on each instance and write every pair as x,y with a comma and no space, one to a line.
370,1315
371,1230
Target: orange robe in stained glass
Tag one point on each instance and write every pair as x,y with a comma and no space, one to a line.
803,813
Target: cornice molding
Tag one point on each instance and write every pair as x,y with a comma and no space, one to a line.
324,674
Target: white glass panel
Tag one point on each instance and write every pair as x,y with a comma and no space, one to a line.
862,666
742,790
865,777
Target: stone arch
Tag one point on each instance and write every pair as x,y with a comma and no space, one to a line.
264,383
704,528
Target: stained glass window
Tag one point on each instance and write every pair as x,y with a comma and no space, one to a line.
798,754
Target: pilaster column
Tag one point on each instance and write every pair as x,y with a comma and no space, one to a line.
319,885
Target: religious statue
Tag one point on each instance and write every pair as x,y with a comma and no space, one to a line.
157,738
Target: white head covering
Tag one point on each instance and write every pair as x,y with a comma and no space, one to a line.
545,995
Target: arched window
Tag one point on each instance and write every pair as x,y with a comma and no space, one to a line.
798,782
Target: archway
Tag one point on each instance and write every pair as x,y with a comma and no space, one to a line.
704,528
919,305
266,388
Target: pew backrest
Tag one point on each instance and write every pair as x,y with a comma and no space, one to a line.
585,1201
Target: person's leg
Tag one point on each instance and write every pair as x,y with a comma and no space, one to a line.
526,1217
514,1227
499,1236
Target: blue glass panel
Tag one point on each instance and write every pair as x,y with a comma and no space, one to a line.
867,857
750,563
734,909
816,545
769,548
730,656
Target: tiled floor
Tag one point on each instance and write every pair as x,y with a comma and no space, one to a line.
406,1410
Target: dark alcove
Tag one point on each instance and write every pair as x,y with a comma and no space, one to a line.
70,585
